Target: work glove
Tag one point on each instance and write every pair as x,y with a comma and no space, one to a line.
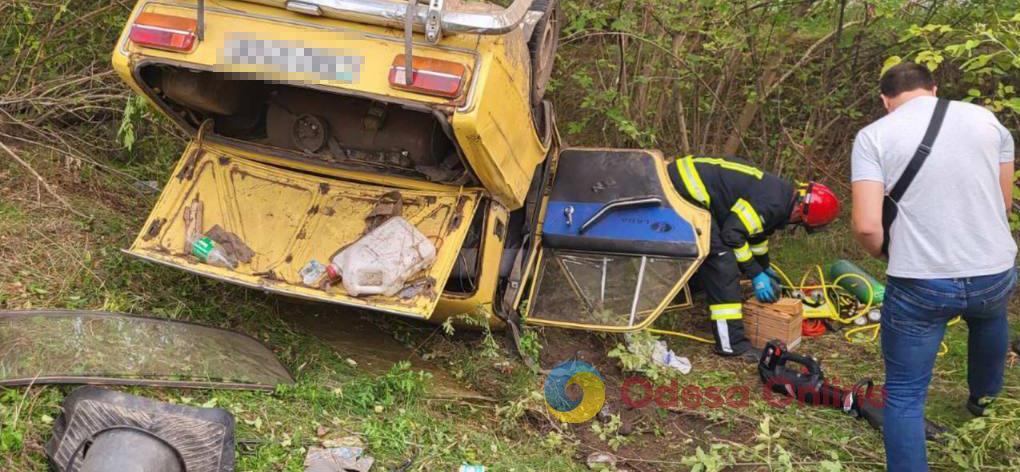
763,290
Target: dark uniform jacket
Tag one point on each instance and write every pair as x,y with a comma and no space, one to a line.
746,203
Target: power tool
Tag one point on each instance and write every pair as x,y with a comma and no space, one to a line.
801,378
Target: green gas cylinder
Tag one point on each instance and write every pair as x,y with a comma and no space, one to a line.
855,285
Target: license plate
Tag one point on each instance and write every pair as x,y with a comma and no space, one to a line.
245,53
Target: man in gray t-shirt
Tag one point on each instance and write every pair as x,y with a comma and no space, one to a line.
950,250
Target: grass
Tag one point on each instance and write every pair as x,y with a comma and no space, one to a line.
53,260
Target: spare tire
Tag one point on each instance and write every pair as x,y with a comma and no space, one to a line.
542,45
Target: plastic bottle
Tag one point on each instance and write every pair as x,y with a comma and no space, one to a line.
314,273
311,273
207,251
384,259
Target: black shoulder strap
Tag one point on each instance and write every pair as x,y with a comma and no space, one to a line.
922,151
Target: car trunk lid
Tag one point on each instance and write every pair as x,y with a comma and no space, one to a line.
288,218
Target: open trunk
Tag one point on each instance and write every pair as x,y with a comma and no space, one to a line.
259,168
314,126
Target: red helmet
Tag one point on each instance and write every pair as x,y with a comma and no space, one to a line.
818,205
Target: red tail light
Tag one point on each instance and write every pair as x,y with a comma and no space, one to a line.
171,33
429,76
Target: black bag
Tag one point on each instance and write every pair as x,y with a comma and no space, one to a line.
889,204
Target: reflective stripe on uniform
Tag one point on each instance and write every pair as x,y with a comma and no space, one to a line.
734,166
692,181
723,331
726,311
747,215
743,253
760,249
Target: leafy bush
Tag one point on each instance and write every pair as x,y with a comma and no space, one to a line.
787,84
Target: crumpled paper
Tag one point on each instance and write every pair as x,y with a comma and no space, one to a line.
662,355
338,459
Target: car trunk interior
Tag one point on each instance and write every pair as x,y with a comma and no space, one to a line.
313,125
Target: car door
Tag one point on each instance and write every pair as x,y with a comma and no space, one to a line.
616,244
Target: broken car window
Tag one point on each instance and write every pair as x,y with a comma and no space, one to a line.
69,346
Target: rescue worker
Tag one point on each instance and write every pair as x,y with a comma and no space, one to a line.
747,206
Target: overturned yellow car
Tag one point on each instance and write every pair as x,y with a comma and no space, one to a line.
399,157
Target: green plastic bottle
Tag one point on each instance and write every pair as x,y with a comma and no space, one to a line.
854,285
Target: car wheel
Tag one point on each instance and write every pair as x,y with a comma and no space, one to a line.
542,46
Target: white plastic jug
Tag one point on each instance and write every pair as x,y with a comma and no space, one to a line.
381,261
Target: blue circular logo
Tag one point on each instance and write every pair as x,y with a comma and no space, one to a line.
588,403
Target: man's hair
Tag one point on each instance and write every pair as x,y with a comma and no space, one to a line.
904,77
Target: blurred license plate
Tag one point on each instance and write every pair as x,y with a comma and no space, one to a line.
244,53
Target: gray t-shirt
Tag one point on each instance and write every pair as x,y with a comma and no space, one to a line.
951,221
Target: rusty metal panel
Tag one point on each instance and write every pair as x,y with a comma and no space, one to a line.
288,218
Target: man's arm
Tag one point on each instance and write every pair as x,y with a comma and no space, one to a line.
1007,151
734,234
868,187
867,215
1006,170
760,250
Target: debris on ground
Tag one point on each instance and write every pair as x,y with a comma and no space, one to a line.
664,356
107,430
95,347
150,187
642,350
601,461
338,459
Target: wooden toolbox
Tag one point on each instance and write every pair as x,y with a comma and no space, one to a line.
767,321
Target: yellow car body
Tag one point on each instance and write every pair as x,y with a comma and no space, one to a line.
294,195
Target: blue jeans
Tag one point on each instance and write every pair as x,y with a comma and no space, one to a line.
914,317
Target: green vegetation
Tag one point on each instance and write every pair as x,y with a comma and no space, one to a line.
786,83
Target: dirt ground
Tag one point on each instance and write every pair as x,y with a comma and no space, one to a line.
652,434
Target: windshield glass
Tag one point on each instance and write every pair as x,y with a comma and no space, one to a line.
112,348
